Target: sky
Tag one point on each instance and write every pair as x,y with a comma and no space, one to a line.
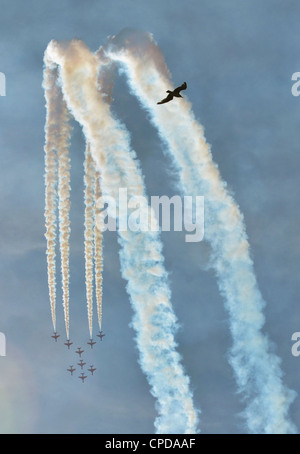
238,59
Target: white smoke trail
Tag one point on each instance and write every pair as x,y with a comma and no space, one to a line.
89,199
64,208
141,257
98,238
56,179
52,95
256,368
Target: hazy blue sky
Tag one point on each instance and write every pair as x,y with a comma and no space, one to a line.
237,58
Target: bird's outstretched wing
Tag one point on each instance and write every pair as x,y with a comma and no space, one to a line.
167,99
178,89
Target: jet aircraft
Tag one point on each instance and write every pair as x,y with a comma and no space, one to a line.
55,336
82,377
68,344
71,370
101,334
91,343
92,370
81,363
79,351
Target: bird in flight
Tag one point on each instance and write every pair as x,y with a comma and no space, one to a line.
173,93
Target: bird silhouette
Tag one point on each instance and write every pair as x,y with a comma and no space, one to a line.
173,93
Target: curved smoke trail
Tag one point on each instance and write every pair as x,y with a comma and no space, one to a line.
257,369
141,257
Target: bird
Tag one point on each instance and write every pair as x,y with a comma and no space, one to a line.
173,93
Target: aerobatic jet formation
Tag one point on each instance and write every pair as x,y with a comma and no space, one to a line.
173,93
